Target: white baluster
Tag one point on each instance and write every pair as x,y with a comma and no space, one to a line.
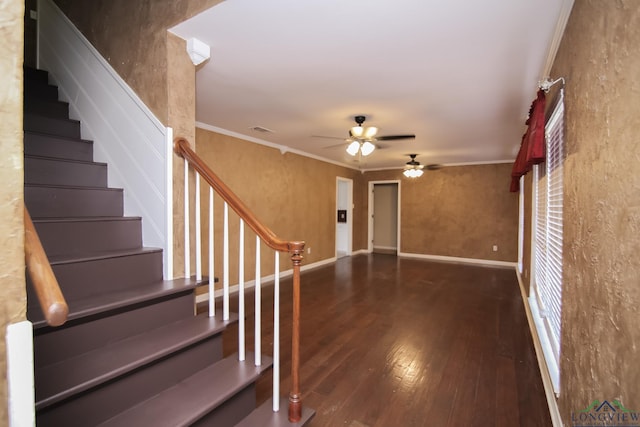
257,331
187,242
225,261
212,275
168,255
276,334
198,237
241,339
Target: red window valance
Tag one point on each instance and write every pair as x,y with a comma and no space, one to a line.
532,148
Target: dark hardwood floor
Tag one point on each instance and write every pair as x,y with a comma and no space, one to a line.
388,341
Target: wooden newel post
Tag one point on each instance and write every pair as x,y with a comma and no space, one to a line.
295,401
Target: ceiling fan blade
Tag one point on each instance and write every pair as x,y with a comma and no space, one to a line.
328,137
344,144
433,167
390,137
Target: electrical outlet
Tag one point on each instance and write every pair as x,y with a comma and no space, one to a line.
33,14
309,250
495,248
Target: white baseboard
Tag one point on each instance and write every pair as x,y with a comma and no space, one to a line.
269,279
554,411
20,385
459,259
360,252
386,248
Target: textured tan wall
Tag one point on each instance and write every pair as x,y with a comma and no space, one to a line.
458,211
467,209
132,36
181,95
12,283
600,344
295,196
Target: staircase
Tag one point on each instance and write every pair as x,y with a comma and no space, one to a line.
132,352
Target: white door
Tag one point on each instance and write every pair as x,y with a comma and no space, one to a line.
344,216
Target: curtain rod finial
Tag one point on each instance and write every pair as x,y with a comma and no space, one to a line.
546,84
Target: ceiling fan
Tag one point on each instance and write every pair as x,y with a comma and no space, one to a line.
413,168
361,138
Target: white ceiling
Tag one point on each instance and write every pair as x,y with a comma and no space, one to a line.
459,74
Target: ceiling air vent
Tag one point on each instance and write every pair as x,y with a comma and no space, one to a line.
260,129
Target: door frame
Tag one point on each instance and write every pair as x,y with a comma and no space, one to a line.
370,212
349,227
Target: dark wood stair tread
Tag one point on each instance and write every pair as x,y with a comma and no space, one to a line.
58,137
73,187
102,303
264,416
63,379
38,116
63,201
64,172
88,235
34,74
51,125
60,147
46,107
86,219
190,399
64,259
59,160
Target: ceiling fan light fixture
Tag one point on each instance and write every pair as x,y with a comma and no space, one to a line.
360,132
353,148
413,168
370,132
413,173
367,148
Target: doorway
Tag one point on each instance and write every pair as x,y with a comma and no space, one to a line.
344,217
384,217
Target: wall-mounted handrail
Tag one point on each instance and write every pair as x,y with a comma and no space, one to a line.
52,302
294,248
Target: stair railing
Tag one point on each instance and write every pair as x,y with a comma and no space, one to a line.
264,234
54,307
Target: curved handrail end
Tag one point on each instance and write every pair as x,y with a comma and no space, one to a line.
57,314
177,145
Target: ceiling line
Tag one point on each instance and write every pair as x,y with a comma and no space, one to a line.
284,149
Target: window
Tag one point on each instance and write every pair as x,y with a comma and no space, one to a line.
521,225
546,292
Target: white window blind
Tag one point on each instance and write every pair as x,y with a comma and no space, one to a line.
546,298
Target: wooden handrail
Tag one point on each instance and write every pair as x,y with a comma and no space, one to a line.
183,149
294,248
54,307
